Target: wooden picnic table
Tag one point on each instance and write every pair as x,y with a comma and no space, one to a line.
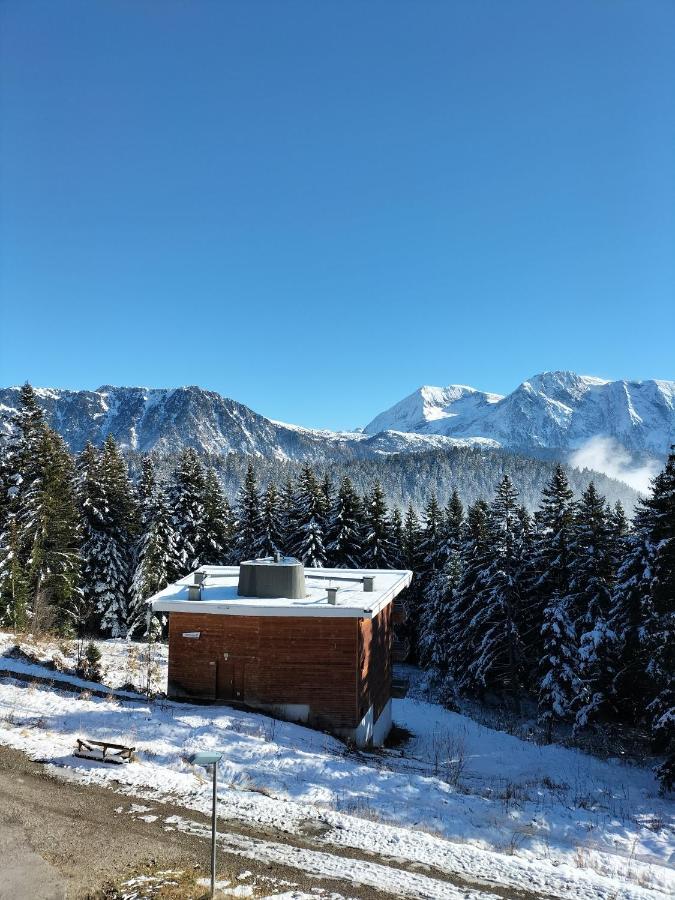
105,751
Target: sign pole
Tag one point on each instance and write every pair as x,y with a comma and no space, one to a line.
205,758
213,834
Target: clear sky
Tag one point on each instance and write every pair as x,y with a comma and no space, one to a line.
315,207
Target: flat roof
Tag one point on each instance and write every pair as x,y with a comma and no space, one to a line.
219,594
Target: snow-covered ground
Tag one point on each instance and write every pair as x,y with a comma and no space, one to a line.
460,798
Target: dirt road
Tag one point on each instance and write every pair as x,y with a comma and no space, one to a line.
63,839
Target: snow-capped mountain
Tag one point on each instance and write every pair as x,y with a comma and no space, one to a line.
166,420
553,411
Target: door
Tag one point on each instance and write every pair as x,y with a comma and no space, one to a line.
230,679
225,679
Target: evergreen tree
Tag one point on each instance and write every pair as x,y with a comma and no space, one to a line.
308,521
454,522
551,560
411,542
39,559
630,610
272,529
412,559
156,556
14,601
147,484
217,525
559,685
344,540
433,545
396,531
460,650
286,508
589,604
187,502
660,625
439,610
106,549
120,493
378,550
498,663
249,527
49,516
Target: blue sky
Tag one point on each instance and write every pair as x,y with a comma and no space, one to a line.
315,207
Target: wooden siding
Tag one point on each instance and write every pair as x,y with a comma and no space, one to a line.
375,640
271,660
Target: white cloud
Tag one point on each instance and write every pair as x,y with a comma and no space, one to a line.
606,455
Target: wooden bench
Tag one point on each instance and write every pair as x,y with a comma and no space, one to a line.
104,751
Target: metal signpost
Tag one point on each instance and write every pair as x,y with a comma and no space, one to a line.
210,759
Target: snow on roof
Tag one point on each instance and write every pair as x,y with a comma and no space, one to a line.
219,594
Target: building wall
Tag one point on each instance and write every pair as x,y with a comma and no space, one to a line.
375,638
306,667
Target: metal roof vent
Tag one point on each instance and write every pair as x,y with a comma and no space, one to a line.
272,577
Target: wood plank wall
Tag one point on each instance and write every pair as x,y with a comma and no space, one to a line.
375,639
275,660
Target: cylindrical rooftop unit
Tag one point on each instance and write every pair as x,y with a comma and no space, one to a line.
284,577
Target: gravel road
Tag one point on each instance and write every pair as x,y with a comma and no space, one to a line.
61,839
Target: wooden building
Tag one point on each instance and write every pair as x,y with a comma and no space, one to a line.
321,656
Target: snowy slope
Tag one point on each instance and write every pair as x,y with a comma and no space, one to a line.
553,410
459,799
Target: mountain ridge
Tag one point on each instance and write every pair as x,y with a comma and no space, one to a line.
556,410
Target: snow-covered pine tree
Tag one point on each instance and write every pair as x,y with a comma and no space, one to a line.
440,596
147,484
272,530
498,663
50,516
630,613
551,564
156,556
412,538
20,469
435,550
454,522
433,545
308,521
529,602
248,514
14,599
344,539
396,530
106,552
218,524
660,626
328,491
439,610
559,684
589,605
411,558
39,559
187,501
286,508
122,499
460,651
378,550
619,529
